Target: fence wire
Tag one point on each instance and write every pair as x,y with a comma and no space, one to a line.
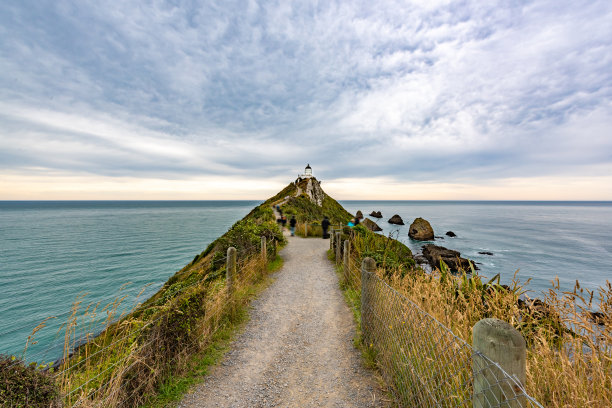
423,362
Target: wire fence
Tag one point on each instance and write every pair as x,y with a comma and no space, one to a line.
422,361
119,371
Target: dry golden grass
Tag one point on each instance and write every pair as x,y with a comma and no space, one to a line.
127,363
569,353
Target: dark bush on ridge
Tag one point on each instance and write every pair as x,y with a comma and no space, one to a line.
25,385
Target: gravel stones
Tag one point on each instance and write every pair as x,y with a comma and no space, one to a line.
296,351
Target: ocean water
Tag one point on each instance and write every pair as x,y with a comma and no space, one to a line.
52,252
542,240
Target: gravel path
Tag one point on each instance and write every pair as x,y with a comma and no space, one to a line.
297,350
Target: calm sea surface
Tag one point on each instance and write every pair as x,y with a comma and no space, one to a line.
52,252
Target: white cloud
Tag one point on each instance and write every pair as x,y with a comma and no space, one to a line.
441,91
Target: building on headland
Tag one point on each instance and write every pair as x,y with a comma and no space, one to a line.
306,175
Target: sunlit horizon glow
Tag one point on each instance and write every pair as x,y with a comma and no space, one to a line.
389,100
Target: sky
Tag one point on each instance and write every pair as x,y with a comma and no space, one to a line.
412,100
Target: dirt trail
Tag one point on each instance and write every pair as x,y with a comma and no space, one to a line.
297,350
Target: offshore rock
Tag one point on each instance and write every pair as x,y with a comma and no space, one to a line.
371,225
451,234
452,258
421,230
359,215
396,219
376,214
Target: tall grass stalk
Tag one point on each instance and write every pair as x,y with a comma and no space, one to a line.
569,356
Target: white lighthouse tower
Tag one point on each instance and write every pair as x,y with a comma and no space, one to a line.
307,171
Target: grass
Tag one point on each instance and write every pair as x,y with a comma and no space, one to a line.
173,390
569,355
162,345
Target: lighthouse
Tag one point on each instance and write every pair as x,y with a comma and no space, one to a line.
307,171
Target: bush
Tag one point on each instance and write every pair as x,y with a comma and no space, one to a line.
26,385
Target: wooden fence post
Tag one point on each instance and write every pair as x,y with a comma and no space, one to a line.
264,249
338,243
504,345
345,267
306,230
368,266
331,239
230,267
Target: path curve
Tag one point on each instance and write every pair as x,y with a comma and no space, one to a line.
297,349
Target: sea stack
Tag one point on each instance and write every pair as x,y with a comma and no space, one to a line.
396,219
371,225
421,230
451,258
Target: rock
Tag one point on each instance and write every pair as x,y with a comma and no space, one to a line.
421,230
450,234
359,215
315,192
371,225
597,318
485,253
396,219
435,254
438,237
420,260
376,214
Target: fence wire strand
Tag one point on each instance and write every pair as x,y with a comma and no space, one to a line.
422,361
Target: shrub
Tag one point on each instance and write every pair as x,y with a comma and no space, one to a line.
26,385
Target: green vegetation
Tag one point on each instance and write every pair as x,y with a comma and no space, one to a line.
23,386
176,333
562,335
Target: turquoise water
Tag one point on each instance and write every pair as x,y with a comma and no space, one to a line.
571,240
52,252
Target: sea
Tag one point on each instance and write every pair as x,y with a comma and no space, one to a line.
55,254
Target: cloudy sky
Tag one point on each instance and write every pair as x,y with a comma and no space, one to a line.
427,99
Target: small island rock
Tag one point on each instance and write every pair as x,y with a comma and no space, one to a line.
421,230
485,253
359,215
450,234
396,219
371,225
435,254
376,214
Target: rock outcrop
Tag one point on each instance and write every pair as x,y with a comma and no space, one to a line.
421,230
371,225
450,234
315,192
376,214
434,254
396,219
359,215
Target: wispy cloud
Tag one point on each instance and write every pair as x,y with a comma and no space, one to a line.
443,92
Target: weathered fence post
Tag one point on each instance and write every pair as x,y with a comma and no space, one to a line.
306,230
345,267
331,239
264,249
338,243
504,345
230,267
368,266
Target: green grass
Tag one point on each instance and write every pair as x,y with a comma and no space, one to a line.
174,388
